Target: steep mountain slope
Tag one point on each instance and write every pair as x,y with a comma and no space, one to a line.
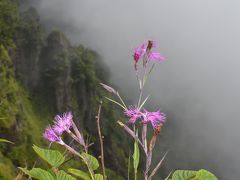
42,75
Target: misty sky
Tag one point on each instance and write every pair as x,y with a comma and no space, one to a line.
198,83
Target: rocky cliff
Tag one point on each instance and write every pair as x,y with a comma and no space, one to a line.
42,74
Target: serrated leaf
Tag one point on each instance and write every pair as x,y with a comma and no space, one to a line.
98,177
136,156
53,157
193,175
183,175
62,175
79,173
38,173
203,174
90,161
6,141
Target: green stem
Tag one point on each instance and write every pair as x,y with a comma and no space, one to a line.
135,175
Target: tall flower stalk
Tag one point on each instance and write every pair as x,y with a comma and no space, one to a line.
137,113
101,141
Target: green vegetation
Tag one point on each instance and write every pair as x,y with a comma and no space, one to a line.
192,175
9,91
9,17
42,75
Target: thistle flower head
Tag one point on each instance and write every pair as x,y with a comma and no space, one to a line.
62,123
155,118
50,135
145,48
134,113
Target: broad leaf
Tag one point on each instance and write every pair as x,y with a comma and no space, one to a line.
98,177
38,173
62,175
89,160
203,174
193,175
79,173
183,175
53,157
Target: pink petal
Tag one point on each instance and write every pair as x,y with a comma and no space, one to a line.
139,51
155,56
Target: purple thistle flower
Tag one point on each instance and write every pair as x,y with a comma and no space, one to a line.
156,118
50,135
145,48
62,123
134,114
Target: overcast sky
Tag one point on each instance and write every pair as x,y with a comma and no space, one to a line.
198,84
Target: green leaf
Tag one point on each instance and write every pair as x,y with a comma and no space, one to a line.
204,174
38,173
62,175
136,156
193,175
79,173
183,175
6,141
116,102
89,160
53,157
98,177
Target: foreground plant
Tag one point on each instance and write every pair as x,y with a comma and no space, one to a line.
65,124
138,116
138,119
137,113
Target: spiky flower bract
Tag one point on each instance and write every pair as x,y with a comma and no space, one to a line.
51,135
63,123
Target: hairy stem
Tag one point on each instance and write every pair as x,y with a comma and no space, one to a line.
144,141
131,133
101,141
74,152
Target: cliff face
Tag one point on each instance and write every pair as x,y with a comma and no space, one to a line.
42,75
